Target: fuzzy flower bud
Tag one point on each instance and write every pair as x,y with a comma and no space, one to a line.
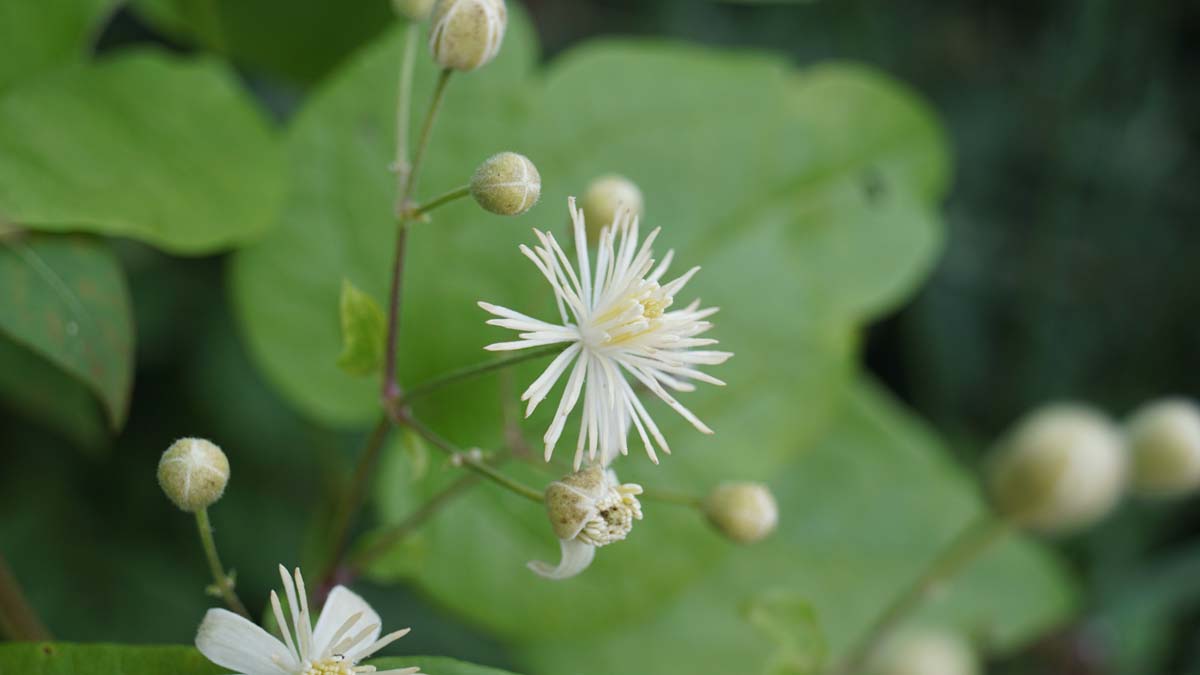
744,512
1063,468
925,652
507,184
1164,437
467,34
193,472
587,509
604,197
413,10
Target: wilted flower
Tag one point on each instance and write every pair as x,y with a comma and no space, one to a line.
613,323
587,509
346,632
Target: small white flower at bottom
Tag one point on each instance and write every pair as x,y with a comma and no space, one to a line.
347,632
587,509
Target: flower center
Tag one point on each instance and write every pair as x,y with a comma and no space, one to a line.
613,516
336,665
635,314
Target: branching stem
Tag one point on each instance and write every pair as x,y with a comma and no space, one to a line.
222,580
474,371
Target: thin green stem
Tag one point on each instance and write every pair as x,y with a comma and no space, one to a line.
672,497
401,416
474,371
221,580
404,109
444,198
435,104
18,620
353,498
972,541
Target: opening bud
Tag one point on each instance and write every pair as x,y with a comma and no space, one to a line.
744,512
925,652
507,184
604,197
193,473
467,34
1061,469
413,10
1164,437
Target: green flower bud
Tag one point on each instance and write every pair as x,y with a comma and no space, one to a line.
507,184
603,197
744,512
1063,468
924,652
467,34
193,473
1164,437
413,10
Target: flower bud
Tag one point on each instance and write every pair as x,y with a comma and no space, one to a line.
1164,438
193,472
467,34
507,184
1063,468
587,509
924,652
413,10
744,512
602,199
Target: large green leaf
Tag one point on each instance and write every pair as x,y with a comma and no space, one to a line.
144,145
38,36
805,221
65,299
39,391
861,514
62,658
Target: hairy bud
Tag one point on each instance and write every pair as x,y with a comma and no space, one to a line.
925,652
466,34
413,10
193,473
507,184
1063,468
604,197
1164,437
744,512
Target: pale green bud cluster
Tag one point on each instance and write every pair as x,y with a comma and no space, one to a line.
1062,469
193,473
466,34
744,512
507,184
1164,438
925,652
604,198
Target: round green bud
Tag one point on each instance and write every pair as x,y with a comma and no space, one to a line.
1164,438
1061,469
744,512
604,197
507,184
924,652
193,473
466,34
413,10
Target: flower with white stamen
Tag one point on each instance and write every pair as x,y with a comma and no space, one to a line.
347,632
615,323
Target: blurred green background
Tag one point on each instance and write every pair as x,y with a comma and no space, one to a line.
1069,271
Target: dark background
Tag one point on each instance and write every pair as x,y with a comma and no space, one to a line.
1071,270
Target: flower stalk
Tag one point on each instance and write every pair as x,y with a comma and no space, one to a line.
221,580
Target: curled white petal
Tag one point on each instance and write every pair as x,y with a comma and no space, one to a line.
576,556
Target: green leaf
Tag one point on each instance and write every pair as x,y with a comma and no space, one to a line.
792,624
364,332
63,658
437,665
41,392
39,36
65,299
300,40
861,513
143,145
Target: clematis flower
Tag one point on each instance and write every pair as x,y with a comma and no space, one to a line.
587,509
615,323
347,632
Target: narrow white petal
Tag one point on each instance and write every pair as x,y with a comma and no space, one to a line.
381,643
283,625
289,589
566,405
524,344
233,642
576,556
678,407
341,604
541,387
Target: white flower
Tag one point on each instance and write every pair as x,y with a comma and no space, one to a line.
615,321
346,632
587,509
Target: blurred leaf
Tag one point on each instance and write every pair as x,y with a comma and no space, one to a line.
861,514
792,624
298,40
40,391
144,145
364,332
64,658
39,36
65,298
436,665
805,223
